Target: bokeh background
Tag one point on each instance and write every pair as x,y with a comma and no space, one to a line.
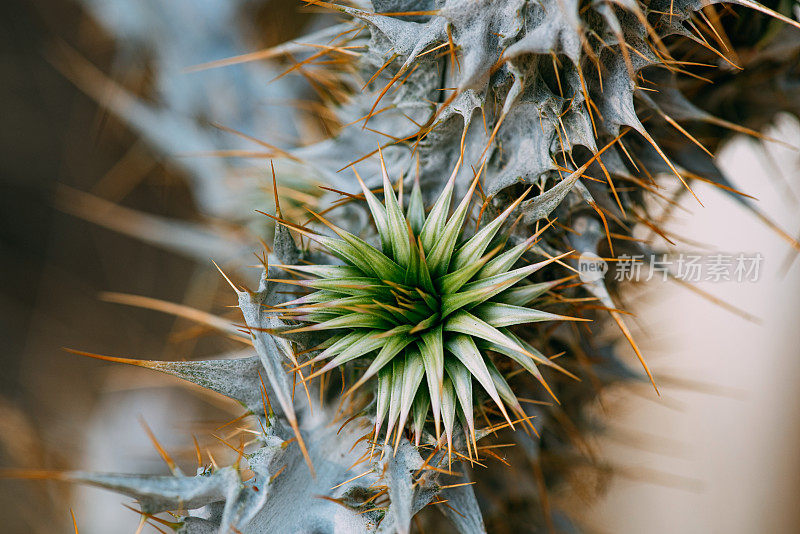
716,453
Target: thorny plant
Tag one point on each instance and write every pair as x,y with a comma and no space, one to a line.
527,92
427,305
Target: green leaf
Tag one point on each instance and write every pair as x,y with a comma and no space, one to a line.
378,215
452,282
429,299
437,217
473,249
534,353
499,315
412,277
482,290
311,298
382,396
398,366
416,209
357,286
325,271
314,313
464,322
374,309
398,228
463,348
400,314
424,275
426,323
448,411
522,295
507,259
527,362
412,376
412,313
392,348
351,320
358,252
342,343
462,383
526,359
439,256
432,352
420,409
332,300
371,259
344,251
503,389
355,350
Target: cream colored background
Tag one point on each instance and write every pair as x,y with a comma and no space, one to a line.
738,443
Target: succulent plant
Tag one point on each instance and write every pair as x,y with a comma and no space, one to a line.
428,304
570,110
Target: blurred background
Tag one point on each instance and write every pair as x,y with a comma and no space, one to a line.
716,453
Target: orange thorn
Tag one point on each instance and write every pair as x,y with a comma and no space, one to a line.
161,451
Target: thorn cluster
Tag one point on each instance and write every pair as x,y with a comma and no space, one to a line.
428,304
